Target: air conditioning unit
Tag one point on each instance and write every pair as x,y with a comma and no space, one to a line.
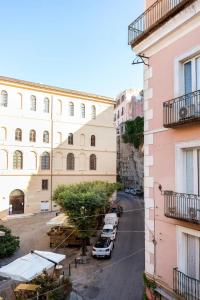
172,210
192,213
183,112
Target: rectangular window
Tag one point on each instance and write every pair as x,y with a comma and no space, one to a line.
189,172
188,77
193,256
198,73
44,184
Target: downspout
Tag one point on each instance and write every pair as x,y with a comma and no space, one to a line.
51,164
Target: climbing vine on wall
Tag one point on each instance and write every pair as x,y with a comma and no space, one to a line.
134,132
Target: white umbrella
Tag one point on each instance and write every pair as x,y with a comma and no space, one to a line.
31,265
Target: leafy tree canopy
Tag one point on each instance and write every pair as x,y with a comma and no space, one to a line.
83,202
134,130
8,243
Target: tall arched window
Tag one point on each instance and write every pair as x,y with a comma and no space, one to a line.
58,107
46,137
93,162
70,161
45,161
46,105
82,110
70,139
32,136
33,103
18,134
18,160
93,140
93,112
3,160
4,99
71,109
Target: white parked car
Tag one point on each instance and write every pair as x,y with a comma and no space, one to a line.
112,219
110,231
103,247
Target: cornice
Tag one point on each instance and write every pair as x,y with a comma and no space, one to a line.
54,90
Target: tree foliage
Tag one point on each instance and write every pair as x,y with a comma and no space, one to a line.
83,202
134,130
8,243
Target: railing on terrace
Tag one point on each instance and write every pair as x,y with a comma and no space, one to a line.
185,286
153,17
181,110
182,206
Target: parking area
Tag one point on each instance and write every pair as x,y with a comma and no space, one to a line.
117,278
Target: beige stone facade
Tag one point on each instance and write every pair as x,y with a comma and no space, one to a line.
51,136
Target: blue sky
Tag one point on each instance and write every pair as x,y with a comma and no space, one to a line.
76,44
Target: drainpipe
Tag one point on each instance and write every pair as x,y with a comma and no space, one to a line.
51,156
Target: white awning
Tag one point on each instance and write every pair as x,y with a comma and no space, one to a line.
60,220
29,266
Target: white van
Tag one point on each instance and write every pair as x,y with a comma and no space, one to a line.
112,219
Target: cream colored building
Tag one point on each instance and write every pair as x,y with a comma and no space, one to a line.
51,136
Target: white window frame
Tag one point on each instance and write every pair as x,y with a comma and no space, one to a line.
179,62
182,247
180,164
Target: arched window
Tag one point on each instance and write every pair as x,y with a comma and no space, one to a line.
3,160
58,139
93,162
45,161
18,134
4,99
70,139
70,161
2,134
46,137
32,136
18,160
58,107
93,140
71,109
46,105
93,112
33,103
82,110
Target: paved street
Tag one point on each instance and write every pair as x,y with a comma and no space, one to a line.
121,277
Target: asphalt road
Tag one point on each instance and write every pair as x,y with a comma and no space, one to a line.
120,278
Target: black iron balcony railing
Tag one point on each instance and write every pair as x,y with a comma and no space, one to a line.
182,110
185,286
153,17
182,206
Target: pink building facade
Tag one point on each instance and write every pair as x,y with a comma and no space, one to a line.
168,34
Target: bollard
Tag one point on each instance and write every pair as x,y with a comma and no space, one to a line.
69,269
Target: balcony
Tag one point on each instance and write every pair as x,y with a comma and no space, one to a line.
185,286
156,15
182,110
182,206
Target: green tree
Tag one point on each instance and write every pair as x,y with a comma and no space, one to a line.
82,203
8,243
134,130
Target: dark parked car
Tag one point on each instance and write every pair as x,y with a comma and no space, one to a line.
118,209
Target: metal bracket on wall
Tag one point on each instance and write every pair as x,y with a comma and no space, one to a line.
141,59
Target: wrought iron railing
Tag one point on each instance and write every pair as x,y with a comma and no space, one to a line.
185,286
153,17
181,110
182,206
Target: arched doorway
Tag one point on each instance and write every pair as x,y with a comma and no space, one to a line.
16,202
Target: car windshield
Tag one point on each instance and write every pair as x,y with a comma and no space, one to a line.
107,230
102,244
